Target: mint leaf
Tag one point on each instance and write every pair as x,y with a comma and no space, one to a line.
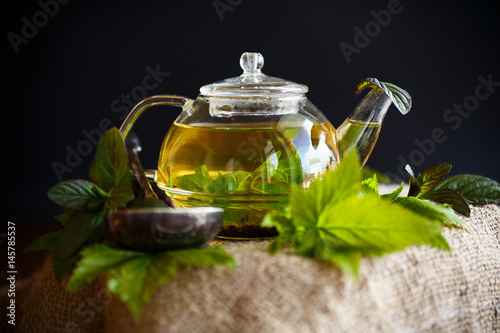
64,216
428,186
119,195
340,218
209,256
133,276
223,184
267,169
83,227
85,203
135,279
269,188
281,176
61,267
285,227
110,166
44,242
473,188
431,176
368,172
232,215
97,259
374,226
346,258
399,97
291,164
437,241
343,182
369,185
394,194
77,194
415,187
442,213
273,176
450,197
228,183
198,181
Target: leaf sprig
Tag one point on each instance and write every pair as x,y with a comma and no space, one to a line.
85,203
457,191
131,275
400,97
341,218
134,275
274,176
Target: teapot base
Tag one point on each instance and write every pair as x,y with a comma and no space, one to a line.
243,214
251,231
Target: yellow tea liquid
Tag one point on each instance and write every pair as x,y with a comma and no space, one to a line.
358,134
246,169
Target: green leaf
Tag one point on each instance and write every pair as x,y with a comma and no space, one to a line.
437,241
415,187
339,218
431,176
61,267
269,188
133,276
281,176
394,194
306,242
267,169
82,228
346,258
231,214
369,185
209,256
368,172
110,166
44,242
223,184
277,168
198,181
119,195
473,188
291,164
135,280
97,259
399,97
285,227
450,197
344,181
374,226
228,183
77,194
64,216
442,213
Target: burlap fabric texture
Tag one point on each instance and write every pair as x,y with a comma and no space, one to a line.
420,289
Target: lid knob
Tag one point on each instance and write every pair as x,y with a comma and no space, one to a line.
251,62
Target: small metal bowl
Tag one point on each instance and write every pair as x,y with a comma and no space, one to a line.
156,229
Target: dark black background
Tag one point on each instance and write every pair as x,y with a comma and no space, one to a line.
88,54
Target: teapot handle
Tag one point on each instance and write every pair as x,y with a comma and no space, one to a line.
146,103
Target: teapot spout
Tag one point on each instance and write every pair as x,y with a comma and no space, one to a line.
361,129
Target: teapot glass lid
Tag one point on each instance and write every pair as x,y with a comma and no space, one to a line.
253,83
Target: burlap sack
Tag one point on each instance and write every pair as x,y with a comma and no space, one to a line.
44,305
420,289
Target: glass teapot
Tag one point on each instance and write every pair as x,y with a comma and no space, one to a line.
244,141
